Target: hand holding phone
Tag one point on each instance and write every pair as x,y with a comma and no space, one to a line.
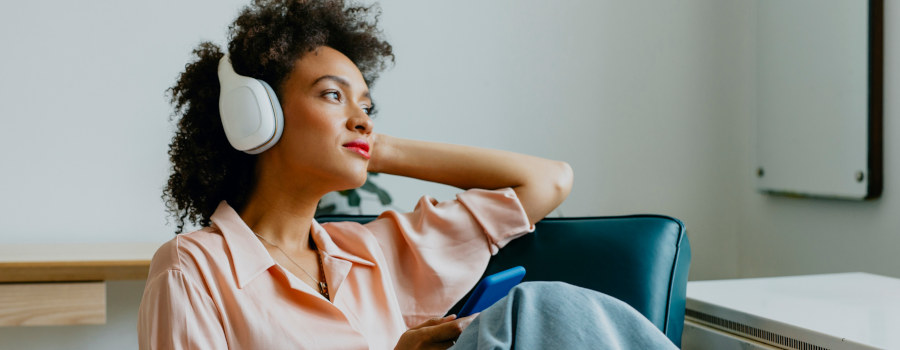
491,289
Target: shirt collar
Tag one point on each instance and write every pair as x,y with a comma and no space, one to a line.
250,257
326,244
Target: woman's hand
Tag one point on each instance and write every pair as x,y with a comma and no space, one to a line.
436,333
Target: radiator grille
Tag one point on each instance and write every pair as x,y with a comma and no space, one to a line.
753,332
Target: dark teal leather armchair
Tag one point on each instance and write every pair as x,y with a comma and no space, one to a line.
642,260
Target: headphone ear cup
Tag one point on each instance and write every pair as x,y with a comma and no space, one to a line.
277,114
250,112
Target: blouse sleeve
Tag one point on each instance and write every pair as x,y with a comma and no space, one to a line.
437,252
176,314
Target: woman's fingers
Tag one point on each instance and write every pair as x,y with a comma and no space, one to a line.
442,346
435,321
448,331
436,333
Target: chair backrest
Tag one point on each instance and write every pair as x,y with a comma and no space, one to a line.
642,260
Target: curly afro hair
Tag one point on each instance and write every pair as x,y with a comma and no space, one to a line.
265,40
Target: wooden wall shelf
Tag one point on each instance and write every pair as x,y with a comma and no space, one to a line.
64,284
75,262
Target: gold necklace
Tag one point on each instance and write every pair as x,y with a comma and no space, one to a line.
323,287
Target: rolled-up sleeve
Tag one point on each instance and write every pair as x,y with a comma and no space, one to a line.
437,252
176,314
499,213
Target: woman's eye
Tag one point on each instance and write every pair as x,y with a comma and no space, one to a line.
370,111
334,95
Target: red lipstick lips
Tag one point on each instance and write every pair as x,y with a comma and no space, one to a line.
361,147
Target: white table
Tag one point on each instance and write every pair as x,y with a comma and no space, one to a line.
831,311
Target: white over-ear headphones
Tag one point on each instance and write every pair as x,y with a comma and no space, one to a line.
249,109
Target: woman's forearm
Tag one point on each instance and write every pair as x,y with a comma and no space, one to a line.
541,184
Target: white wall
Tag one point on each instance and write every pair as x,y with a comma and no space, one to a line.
85,117
639,97
789,236
646,100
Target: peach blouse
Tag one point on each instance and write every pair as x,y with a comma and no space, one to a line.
218,288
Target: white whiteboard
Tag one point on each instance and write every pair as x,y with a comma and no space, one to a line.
813,85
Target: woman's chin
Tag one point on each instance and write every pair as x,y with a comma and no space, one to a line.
355,182
362,179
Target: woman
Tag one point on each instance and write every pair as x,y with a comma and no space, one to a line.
262,274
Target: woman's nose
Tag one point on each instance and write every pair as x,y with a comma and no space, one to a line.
360,121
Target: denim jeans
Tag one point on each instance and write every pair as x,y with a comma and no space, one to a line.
556,315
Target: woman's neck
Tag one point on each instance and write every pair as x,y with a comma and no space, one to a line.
282,211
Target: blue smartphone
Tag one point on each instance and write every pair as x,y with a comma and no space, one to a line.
491,289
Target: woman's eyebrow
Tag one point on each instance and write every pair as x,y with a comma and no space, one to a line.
340,81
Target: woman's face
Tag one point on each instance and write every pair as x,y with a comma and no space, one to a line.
327,128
